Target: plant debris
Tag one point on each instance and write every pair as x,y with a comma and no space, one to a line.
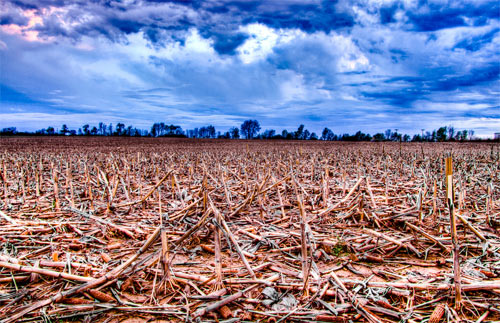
110,229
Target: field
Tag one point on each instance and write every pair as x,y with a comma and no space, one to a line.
155,229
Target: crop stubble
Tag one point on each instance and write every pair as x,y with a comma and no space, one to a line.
110,229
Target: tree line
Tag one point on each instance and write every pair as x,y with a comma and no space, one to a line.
249,129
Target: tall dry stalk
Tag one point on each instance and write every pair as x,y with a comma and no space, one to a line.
55,182
5,185
453,229
303,242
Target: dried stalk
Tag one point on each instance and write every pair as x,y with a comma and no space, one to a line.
46,272
142,200
430,237
453,229
90,284
108,223
8,218
230,299
370,317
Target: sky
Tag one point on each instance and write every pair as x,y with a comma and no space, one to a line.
365,65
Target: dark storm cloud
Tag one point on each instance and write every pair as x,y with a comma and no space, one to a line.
432,17
387,14
323,16
12,16
43,4
437,20
404,91
475,43
217,20
226,44
110,18
398,91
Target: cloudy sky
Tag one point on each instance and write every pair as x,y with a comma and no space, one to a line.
349,65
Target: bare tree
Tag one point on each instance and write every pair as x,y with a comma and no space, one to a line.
250,128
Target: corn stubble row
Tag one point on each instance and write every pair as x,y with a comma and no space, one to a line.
142,229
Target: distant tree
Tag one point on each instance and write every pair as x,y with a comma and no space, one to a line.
324,134
395,136
102,129
327,134
211,131
234,133
119,128
360,136
429,136
299,134
173,130
162,128
451,132
441,134
379,137
268,134
128,131
64,130
464,135
346,137
155,130
249,128
388,134
203,133
305,135
207,132
9,131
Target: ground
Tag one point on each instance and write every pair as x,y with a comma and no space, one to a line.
148,229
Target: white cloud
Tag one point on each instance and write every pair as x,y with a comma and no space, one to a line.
260,43
263,40
293,88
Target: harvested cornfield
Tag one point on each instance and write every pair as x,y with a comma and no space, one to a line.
151,229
